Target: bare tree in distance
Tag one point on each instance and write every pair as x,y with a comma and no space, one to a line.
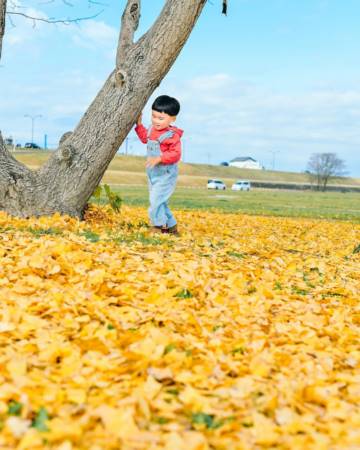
324,166
67,180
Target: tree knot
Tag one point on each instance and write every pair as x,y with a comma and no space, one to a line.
119,78
134,11
66,153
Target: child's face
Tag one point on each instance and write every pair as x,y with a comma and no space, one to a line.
161,120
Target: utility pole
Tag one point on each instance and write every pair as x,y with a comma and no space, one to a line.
126,145
208,157
32,124
273,157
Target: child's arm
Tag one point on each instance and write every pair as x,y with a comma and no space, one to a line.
141,131
172,154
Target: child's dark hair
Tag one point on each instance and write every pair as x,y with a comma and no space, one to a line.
167,105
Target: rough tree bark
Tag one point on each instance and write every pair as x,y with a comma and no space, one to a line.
2,22
66,181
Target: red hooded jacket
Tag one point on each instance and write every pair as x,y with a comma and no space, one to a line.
170,148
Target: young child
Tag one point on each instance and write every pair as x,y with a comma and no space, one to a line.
163,154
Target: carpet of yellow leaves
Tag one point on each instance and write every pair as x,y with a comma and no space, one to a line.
241,334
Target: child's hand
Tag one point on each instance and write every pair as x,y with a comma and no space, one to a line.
152,162
139,120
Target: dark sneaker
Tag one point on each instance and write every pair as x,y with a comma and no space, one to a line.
173,230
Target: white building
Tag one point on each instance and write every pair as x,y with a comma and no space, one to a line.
245,162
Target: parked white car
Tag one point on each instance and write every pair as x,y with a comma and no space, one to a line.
241,185
216,184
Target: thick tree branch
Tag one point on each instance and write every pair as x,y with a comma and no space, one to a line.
176,31
129,23
12,174
22,190
6,159
2,146
2,22
4,154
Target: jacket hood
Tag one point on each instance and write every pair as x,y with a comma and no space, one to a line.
177,130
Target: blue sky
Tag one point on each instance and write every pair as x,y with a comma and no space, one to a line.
277,80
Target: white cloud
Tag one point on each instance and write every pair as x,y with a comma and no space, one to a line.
230,117
93,34
222,115
204,83
61,103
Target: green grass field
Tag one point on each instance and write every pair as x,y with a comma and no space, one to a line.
332,205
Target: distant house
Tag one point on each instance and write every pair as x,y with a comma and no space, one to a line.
245,162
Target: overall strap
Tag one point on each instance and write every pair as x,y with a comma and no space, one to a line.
149,132
168,134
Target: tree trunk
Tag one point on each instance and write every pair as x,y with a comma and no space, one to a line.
2,22
325,182
66,181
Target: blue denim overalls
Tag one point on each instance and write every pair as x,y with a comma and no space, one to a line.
162,181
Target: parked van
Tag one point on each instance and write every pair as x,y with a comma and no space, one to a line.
216,184
241,185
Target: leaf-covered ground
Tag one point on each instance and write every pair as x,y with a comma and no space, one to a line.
241,334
